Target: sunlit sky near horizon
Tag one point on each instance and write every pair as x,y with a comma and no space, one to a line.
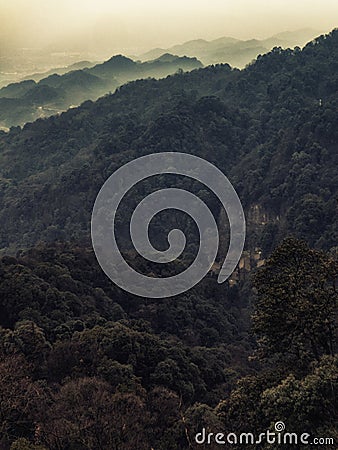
134,25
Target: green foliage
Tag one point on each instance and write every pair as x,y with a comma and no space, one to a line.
307,403
294,319
86,365
263,126
296,304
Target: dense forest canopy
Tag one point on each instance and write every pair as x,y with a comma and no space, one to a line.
271,128
84,365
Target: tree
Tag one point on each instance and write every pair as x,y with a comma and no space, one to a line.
295,307
306,404
19,396
85,413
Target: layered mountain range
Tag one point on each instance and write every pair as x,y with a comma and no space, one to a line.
86,365
40,96
235,52
271,128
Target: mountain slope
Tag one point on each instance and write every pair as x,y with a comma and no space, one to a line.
60,70
75,350
24,101
270,127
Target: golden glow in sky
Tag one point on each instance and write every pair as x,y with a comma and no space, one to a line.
132,25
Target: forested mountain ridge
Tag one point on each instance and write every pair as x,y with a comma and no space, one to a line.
270,127
28,100
85,365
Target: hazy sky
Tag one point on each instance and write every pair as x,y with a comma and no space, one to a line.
136,25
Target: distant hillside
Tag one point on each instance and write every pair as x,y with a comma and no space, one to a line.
298,37
28,100
235,52
86,365
61,70
270,127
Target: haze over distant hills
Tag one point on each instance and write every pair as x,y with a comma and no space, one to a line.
29,99
48,93
233,51
60,70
